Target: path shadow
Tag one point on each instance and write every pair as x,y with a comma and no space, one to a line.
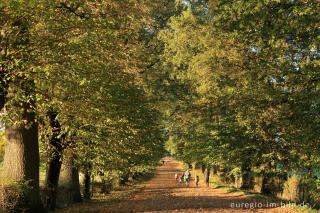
205,203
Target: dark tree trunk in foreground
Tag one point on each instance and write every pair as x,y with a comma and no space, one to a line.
54,164
69,187
21,159
51,183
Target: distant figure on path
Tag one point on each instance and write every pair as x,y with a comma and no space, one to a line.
187,176
197,180
176,177
181,178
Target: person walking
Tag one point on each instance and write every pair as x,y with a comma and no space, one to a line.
176,177
197,180
181,178
187,175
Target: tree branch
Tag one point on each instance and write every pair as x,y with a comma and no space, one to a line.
72,10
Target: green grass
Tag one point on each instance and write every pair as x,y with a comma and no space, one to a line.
261,197
213,181
201,177
1,165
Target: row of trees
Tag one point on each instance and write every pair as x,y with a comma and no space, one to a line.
245,87
236,84
73,77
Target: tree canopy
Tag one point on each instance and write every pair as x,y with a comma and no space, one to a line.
232,84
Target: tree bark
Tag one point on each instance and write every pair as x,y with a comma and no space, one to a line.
54,164
21,159
69,187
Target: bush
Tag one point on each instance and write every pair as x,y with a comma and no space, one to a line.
310,191
315,193
11,199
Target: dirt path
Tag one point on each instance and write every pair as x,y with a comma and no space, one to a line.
164,194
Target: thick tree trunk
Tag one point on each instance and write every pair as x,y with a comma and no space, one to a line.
69,187
21,159
54,164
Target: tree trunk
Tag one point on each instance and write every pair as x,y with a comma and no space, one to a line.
21,159
69,187
51,183
87,183
208,170
258,183
203,168
54,164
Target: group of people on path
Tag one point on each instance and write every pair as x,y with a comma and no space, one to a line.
186,177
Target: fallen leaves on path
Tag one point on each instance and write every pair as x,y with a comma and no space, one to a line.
163,194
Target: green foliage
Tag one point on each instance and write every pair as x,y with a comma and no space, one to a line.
251,90
228,83
85,61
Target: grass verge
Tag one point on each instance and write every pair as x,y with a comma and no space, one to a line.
261,197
